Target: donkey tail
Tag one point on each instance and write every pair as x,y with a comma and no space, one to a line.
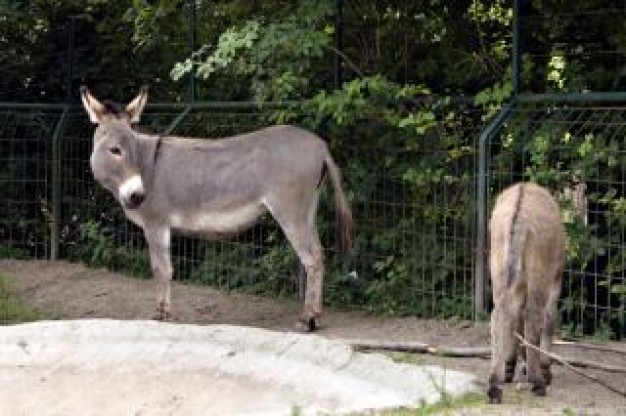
345,223
514,241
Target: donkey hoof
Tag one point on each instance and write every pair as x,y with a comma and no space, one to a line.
539,389
162,314
548,379
509,371
547,375
495,395
306,325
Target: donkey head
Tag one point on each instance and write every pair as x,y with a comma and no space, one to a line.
115,158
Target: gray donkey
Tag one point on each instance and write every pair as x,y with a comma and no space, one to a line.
216,188
526,263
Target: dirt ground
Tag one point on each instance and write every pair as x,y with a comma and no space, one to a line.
71,291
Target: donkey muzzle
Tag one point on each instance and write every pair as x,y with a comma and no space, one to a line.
135,199
131,192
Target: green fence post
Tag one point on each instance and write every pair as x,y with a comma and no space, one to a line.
56,185
517,48
191,4
481,208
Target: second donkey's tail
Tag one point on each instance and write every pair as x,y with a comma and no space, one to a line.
514,241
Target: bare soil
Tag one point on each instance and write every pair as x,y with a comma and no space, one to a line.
72,291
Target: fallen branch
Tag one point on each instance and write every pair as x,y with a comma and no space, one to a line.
475,352
361,345
420,347
569,366
464,352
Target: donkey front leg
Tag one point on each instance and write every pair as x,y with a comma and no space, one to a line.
160,260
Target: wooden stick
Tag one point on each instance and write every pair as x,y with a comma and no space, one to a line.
475,352
419,347
571,367
372,344
463,352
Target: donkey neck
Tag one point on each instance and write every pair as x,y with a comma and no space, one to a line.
148,147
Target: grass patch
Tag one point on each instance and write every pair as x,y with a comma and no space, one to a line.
444,407
449,406
13,308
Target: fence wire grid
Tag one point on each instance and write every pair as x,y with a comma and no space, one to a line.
416,225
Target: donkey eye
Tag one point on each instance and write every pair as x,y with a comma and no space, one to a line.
115,150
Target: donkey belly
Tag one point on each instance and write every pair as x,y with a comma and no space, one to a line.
216,223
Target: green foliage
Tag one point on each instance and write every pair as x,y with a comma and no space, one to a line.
274,56
456,48
97,247
229,46
267,267
493,98
8,251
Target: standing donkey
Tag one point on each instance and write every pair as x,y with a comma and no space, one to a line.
216,188
526,264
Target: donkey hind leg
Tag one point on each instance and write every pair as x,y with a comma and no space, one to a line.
313,260
305,242
159,247
504,319
314,268
511,357
301,282
547,333
299,228
533,323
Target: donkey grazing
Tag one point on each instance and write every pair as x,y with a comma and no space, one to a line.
216,188
526,264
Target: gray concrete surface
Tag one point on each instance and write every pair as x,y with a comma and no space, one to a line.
106,367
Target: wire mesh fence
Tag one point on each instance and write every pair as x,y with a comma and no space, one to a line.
576,149
415,206
25,147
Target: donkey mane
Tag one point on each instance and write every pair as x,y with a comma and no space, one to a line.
113,109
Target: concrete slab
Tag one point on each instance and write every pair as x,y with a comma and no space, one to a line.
105,367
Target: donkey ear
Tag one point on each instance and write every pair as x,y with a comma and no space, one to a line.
94,108
135,107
